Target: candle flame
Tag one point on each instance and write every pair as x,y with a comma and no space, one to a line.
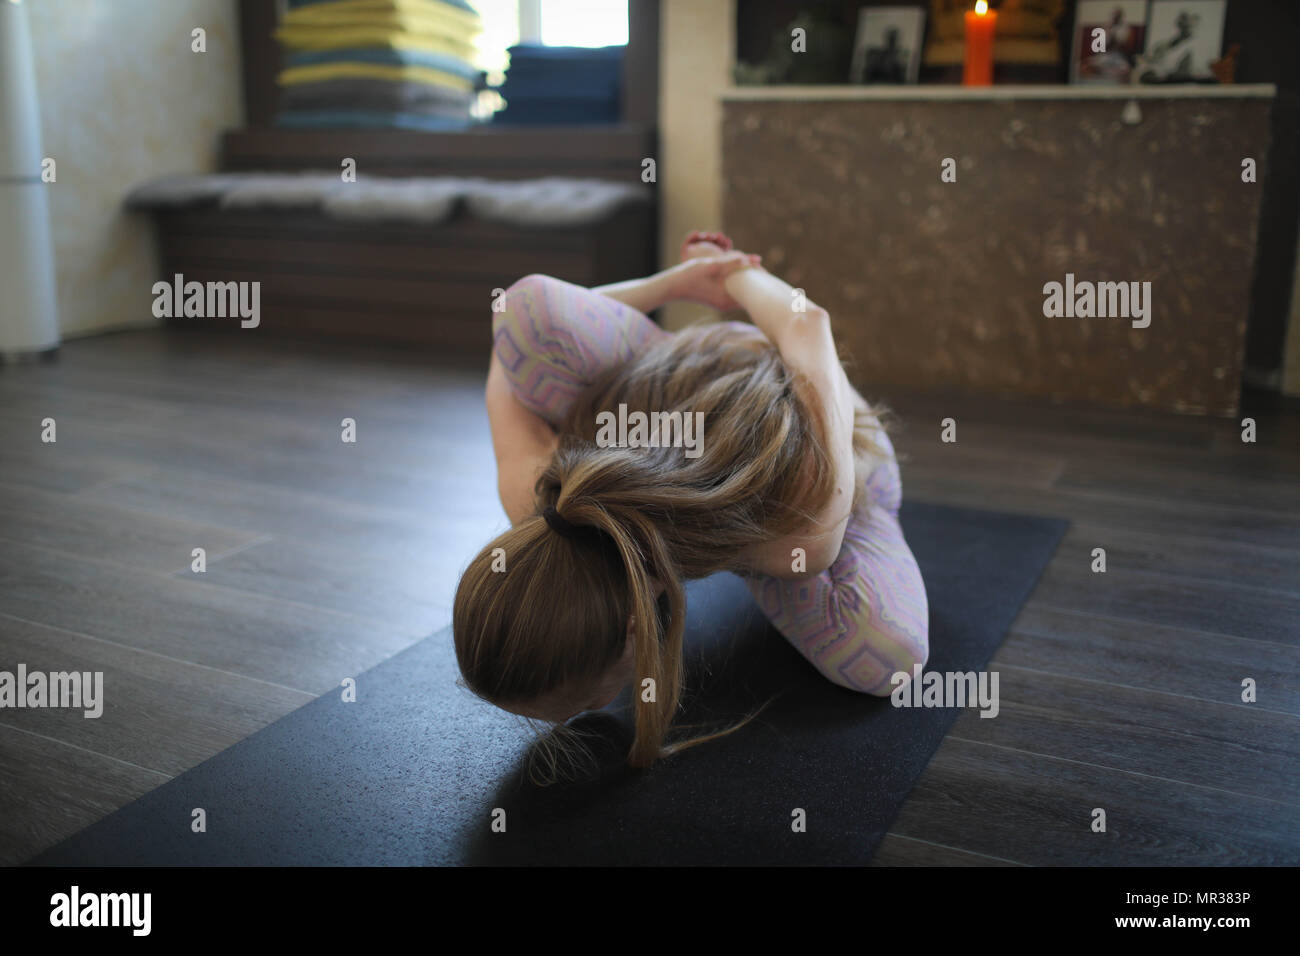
981,7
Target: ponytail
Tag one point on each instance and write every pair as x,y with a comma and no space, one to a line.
553,625
645,557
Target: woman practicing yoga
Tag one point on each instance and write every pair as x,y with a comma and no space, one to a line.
792,484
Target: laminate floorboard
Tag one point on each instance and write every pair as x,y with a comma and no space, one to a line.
1120,690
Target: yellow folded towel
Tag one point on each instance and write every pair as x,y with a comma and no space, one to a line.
404,21
347,10
316,72
341,38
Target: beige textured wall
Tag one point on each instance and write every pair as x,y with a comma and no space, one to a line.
854,209
124,99
696,56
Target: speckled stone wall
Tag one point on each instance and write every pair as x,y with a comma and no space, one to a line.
941,284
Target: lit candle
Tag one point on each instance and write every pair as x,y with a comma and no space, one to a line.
980,26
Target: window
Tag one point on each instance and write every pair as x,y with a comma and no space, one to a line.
579,22
553,22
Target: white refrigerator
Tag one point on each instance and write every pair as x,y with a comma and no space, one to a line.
29,322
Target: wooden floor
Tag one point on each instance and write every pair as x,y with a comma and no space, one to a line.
1119,691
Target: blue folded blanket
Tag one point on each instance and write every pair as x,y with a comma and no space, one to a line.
578,76
384,55
559,85
523,52
554,88
566,111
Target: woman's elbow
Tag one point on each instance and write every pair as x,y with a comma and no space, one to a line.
506,303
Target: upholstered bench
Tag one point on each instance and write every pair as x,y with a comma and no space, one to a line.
411,259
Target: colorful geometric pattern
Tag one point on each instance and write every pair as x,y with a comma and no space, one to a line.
554,338
861,620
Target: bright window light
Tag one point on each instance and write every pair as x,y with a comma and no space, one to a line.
584,22
500,19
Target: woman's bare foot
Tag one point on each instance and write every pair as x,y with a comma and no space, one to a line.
699,244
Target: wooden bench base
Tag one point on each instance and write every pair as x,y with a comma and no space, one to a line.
391,282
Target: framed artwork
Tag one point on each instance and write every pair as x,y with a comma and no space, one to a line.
1183,38
887,48
1109,36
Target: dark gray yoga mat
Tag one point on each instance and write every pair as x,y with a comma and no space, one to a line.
410,774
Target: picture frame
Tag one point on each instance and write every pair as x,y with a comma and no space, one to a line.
887,45
1184,37
1124,26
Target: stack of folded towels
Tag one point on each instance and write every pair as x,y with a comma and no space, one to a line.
562,84
395,63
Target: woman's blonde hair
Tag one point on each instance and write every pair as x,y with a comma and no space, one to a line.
556,620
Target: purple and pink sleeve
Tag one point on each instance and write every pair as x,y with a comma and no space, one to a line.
858,622
554,338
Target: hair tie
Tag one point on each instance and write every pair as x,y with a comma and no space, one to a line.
562,527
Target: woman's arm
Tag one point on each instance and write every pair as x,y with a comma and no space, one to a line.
806,345
522,441
771,303
552,338
644,295
695,280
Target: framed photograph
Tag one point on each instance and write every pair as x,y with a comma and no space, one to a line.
887,48
1183,38
1109,36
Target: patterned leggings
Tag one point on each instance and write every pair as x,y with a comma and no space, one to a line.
858,622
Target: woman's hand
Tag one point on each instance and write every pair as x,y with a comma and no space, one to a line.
702,278
707,261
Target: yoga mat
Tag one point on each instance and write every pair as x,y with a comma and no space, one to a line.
411,773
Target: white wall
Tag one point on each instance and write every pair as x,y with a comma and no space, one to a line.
696,54
124,99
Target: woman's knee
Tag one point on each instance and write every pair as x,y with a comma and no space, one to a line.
893,651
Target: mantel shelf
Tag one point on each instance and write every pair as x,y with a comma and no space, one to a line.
811,93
